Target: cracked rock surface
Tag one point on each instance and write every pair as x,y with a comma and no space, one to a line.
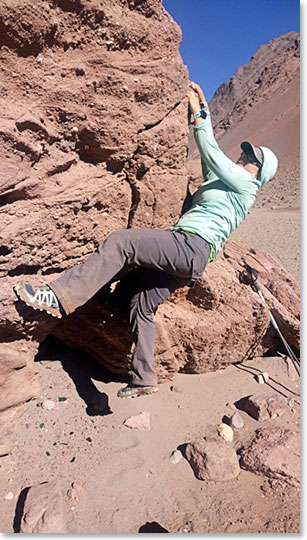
92,138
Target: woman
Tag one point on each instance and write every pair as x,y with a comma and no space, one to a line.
172,258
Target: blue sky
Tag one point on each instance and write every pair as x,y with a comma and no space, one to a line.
221,35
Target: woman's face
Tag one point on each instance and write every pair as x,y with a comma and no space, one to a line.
245,158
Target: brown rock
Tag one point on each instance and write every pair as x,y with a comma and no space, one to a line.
265,405
118,161
18,384
212,459
140,421
43,510
273,452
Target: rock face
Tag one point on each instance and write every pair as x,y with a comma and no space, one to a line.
213,459
43,510
19,383
94,138
274,452
271,65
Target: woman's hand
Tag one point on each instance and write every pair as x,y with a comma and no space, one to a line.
198,91
194,102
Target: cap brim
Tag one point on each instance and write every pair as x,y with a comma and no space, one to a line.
249,148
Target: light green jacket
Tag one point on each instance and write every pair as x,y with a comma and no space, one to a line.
223,200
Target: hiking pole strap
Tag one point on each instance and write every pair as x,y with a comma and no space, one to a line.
253,276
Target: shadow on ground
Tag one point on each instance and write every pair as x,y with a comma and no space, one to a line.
81,368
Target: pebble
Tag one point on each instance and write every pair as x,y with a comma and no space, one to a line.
176,389
176,457
266,376
262,378
73,494
291,402
225,432
74,129
9,496
189,527
236,421
231,406
48,405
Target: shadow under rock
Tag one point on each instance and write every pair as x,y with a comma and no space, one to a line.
19,509
81,368
152,527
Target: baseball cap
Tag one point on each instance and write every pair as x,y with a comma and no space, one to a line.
266,158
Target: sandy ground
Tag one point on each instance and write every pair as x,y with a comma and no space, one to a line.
127,481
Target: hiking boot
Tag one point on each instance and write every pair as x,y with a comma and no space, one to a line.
42,298
135,391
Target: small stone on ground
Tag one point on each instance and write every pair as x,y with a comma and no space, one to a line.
265,405
141,421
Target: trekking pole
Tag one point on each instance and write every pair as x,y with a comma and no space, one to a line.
253,276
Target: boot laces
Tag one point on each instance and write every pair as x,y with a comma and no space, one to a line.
46,296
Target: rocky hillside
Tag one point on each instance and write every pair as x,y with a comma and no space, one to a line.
260,102
270,68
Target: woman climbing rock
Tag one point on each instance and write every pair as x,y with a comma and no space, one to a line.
173,258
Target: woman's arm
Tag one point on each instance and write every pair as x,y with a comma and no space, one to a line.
197,101
214,160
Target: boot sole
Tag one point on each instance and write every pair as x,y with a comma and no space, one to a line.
22,295
139,392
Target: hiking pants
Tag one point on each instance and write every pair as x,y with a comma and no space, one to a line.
172,259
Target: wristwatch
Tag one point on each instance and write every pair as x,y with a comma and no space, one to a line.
201,113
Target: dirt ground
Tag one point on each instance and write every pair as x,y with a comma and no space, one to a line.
127,483
275,231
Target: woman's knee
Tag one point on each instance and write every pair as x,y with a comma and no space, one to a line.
117,239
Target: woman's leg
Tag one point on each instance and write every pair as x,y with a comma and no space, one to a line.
154,289
175,253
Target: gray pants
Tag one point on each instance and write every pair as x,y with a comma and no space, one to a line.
172,259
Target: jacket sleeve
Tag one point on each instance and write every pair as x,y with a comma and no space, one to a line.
215,161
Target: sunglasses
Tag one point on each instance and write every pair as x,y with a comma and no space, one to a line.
248,158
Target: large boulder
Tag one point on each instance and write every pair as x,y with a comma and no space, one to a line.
93,139
213,459
216,323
